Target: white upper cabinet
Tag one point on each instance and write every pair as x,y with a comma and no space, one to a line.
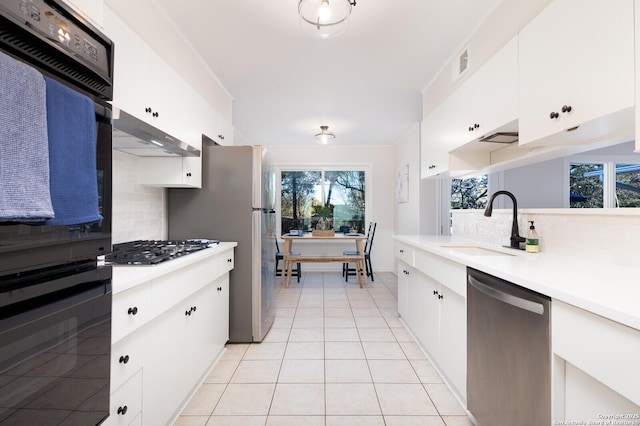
485,103
489,99
149,88
174,103
434,152
132,67
221,130
576,68
494,93
226,131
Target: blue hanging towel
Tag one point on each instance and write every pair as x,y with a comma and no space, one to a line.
72,156
24,151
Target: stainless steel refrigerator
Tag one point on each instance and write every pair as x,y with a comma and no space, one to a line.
236,203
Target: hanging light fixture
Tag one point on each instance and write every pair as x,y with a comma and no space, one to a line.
325,136
325,18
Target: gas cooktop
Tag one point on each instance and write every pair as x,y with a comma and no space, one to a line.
151,252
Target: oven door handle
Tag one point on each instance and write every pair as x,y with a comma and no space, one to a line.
518,302
64,301
42,285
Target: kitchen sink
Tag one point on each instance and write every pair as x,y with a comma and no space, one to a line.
476,250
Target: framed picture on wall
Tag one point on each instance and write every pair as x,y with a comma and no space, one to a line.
402,184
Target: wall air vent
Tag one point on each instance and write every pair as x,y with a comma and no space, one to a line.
461,63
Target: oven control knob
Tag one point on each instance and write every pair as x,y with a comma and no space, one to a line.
122,410
133,311
124,359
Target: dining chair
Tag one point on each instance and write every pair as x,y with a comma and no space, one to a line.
346,271
297,272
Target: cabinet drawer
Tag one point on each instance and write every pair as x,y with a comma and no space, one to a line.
226,261
126,359
126,401
604,349
405,253
446,272
131,309
178,285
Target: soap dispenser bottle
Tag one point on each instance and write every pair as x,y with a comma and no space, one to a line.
532,240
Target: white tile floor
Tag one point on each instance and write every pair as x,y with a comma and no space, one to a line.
336,355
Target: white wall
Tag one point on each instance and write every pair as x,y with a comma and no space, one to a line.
538,186
407,153
382,201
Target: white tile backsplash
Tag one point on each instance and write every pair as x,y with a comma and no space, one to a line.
602,235
139,211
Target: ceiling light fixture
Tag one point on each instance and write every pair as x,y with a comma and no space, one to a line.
325,136
325,18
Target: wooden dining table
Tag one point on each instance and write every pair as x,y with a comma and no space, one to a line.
290,259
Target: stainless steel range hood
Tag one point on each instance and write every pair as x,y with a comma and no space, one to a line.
135,137
501,137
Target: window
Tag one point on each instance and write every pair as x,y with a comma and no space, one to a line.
606,184
302,190
469,193
586,188
628,185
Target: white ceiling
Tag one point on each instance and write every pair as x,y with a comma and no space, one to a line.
364,84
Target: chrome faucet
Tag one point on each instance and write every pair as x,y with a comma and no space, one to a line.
516,239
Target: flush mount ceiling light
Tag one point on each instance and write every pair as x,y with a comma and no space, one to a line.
325,18
325,136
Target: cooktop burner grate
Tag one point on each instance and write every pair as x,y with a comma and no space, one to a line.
151,252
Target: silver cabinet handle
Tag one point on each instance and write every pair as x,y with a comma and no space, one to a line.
518,302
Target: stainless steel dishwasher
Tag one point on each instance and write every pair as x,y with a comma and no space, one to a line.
508,353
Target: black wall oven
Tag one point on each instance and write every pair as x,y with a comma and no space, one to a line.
55,295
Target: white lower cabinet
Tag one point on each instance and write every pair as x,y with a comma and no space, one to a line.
595,368
183,346
403,289
434,292
423,310
452,356
157,364
126,401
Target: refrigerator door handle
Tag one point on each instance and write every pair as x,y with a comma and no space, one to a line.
263,210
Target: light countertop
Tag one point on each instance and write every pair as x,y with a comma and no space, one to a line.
608,290
128,276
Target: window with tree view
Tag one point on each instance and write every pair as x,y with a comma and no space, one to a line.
608,184
305,192
469,193
586,188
